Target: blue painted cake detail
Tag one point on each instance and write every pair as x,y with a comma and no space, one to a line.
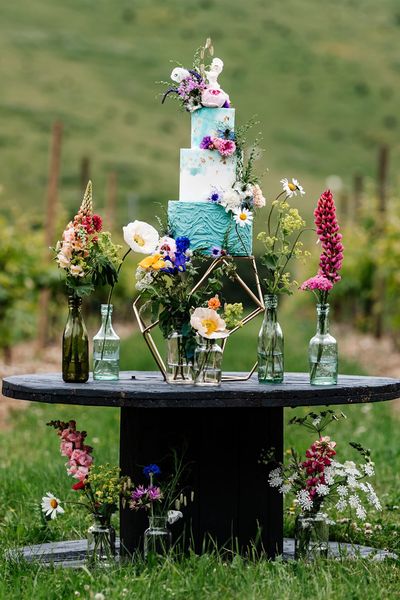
206,225
207,121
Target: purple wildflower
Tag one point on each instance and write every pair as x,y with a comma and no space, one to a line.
207,143
151,469
154,494
139,492
182,243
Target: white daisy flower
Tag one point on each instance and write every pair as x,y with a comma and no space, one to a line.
243,216
292,187
51,506
141,237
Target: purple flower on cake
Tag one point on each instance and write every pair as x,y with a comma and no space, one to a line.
224,147
207,143
215,196
243,216
217,251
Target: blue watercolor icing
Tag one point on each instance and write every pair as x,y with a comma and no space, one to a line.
206,224
207,121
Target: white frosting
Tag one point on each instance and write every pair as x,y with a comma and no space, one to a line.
203,170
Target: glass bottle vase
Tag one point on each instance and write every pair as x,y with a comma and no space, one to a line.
101,542
75,344
207,362
322,351
157,537
270,344
179,364
106,345
311,536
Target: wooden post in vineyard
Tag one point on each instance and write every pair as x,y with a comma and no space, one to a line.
380,283
111,200
51,210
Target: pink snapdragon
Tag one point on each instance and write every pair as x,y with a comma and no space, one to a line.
72,445
319,457
331,258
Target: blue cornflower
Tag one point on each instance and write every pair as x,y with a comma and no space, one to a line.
215,197
151,469
182,243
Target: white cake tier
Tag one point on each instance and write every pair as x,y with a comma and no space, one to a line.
212,122
203,171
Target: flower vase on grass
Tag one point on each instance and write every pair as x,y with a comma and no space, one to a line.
88,258
320,483
210,328
323,353
279,248
162,502
100,486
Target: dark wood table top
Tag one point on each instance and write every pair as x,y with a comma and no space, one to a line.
146,389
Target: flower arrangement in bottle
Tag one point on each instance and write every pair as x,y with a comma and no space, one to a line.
323,354
283,224
321,484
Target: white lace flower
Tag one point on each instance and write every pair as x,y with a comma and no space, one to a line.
304,499
317,421
285,488
350,468
275,478
322,489
354,501
342,490
369,469
329,475
360,512
51,506
373,498
341,505
292,187
352,482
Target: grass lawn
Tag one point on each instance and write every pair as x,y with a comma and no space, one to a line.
30,465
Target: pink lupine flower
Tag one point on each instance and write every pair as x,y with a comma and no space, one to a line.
224,147
331,258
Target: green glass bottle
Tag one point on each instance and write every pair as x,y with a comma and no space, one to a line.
270,344
75,344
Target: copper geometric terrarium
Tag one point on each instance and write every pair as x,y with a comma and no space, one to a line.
255,296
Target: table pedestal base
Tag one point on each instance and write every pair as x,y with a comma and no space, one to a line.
233,505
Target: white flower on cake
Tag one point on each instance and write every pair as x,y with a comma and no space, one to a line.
292,187
51,506
243,216
167,246
208,323
231,200
179,74
141,237
258,197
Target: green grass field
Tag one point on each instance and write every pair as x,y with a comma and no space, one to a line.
322,78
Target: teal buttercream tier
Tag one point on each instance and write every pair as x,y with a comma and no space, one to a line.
208,225
208,121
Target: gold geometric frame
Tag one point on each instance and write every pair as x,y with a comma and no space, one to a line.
257,298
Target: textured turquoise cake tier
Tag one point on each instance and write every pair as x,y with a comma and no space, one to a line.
207,121
206,225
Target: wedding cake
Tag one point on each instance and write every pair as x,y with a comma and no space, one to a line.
217,195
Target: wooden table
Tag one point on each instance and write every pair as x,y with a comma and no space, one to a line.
222,430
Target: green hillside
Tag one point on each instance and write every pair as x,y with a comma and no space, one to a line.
322,76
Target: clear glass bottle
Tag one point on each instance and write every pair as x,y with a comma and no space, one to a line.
157,537
179,364
207,362
101,542
75,344
270,344
322,351
311,536
106,345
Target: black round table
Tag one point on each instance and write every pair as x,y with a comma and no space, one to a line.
222,431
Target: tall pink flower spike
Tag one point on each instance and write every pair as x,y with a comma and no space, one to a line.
331,258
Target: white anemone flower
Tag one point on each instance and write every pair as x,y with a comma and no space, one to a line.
141,237
292,187
51,506
243,216
231,200
179,74
209,324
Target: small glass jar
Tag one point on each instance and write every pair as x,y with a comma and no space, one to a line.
179,364
75,344
157,537
323,351
270,344
311,536
101,542
207,362
106,344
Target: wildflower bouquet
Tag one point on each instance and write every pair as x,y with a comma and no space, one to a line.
101,485
86,254
282,223
318,481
